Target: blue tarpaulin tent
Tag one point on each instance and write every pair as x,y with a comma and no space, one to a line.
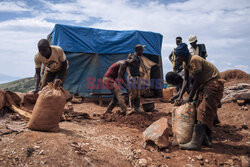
91,52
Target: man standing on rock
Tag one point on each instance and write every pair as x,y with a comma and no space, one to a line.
208,88
54,59
112,79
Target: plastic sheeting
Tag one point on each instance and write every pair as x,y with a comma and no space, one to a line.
91,40
87,70
91,52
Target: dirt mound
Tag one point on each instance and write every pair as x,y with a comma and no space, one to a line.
234,75
137,120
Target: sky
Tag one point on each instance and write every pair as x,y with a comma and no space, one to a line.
222,25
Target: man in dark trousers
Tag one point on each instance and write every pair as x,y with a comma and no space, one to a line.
134,79
207,87
113,78
197,49
54,60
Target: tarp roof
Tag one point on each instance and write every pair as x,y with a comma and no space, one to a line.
91,40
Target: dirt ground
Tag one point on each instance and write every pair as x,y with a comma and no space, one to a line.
116,140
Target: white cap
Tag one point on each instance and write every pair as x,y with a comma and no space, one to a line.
192,38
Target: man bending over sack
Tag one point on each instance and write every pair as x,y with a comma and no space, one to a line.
54,59
112,79
208,88
176,80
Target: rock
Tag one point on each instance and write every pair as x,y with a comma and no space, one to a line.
244,161
206,160
41,152
14,117
39,142
244,126
36,147
240,102
149,159
245,108
143,162
158,132
164,156
30,151
237,92
69,106
199,157
43,162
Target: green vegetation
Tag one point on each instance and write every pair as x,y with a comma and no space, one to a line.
21,85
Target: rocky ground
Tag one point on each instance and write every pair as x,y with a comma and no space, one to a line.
87,138
116,140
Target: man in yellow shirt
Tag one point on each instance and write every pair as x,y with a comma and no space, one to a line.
208,88
54,60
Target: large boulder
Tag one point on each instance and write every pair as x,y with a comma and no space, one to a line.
158,132
237,92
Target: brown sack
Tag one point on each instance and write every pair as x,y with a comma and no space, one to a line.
183,118
9,98
48,108
28,101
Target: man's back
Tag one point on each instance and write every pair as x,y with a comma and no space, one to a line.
114,69
207,70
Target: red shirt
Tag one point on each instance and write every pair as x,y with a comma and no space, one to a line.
112,71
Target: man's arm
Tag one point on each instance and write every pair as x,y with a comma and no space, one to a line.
121,75
38,78
64,65
195,86
184,86
170,57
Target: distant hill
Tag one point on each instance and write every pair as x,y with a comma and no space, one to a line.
7,78
21,85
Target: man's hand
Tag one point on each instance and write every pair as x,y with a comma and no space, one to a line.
187,100
173,99
178,102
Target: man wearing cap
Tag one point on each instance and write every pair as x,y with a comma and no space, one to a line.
207,87
112,78
197,49
134,79
177,67
54,61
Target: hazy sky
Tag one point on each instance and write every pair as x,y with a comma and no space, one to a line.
223,25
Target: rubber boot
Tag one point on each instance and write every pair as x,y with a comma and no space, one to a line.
208,138
197,138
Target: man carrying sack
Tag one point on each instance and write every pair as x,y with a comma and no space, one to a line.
208,88
54,59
